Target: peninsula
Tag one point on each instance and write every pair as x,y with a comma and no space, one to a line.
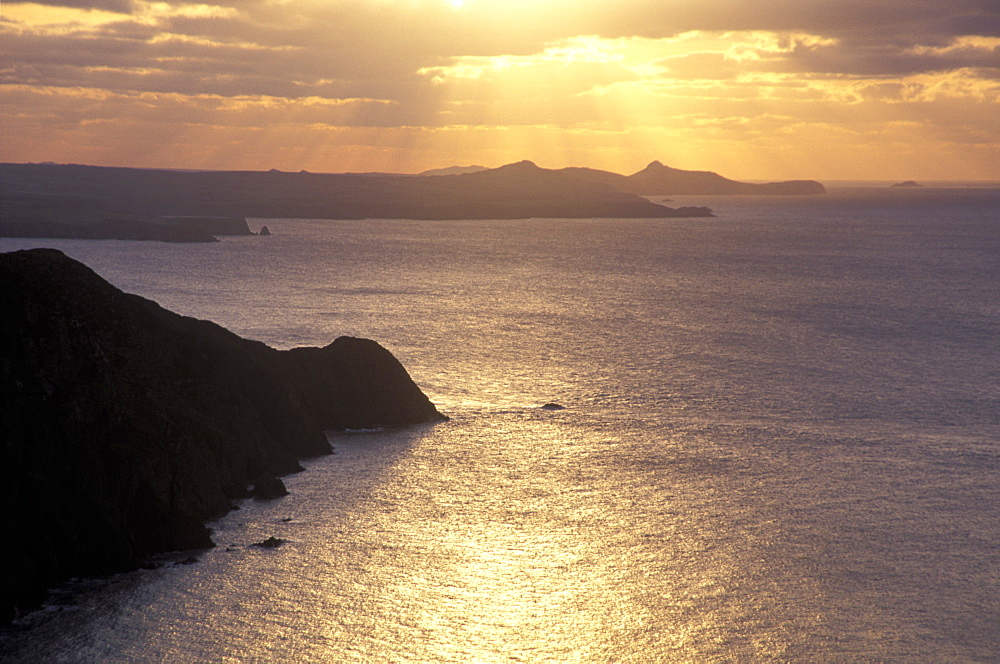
72,201
40,194
126,426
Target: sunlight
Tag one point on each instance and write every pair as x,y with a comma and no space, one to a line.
699,100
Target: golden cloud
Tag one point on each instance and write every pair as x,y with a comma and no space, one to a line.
556,80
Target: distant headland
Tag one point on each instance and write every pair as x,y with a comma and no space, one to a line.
68,200
126,426
657,179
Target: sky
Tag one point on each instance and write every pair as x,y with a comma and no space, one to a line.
752,89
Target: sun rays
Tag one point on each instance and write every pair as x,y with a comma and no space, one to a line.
417,84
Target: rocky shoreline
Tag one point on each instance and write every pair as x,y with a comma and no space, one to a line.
127,427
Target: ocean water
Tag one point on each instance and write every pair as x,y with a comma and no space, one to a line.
780,442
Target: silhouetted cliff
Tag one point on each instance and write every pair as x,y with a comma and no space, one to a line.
126,426
354,383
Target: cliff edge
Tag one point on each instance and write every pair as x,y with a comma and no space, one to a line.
126,426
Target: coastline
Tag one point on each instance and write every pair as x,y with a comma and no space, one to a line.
129,426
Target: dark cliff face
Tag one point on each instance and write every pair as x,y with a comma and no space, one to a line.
353,383
126,426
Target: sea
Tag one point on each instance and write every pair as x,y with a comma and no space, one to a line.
772,436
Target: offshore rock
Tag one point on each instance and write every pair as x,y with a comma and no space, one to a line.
270,543
126,426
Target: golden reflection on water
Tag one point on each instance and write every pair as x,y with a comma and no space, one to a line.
528,548
775,451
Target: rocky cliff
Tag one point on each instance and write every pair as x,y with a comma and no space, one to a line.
126,426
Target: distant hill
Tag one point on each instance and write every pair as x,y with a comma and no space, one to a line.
53,200
515,191
548,192
452,170
657,179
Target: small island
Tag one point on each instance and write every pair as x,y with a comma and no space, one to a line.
907,184
126,426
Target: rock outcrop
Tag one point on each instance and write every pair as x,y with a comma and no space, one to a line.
271,542
126,426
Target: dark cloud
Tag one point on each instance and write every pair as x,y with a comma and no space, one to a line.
910,21
380,46
880,60
116,6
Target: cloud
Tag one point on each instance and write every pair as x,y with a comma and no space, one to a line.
117,6
557,71
379,45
